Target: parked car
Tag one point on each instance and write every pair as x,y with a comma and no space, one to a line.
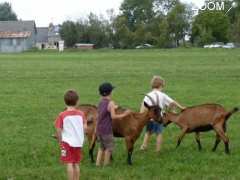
144,46
229,46
221,45
214,45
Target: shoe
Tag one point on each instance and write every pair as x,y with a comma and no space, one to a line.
143,148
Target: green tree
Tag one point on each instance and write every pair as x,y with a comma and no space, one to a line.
69,33
6,12
137,12
178,20
164,6
164,39
97,31
123,37
236,30
209,27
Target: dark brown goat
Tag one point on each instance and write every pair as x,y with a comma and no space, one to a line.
129,128
200,119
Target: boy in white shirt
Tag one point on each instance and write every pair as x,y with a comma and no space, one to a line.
164,101
70,126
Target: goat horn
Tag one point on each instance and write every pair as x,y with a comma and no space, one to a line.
151,99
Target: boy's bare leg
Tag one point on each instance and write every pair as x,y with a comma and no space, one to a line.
159,142
103,157
70,171
99,157
76,172
146,140
107,157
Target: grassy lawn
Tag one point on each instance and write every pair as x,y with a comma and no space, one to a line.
31,95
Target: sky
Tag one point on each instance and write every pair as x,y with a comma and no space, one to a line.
57,11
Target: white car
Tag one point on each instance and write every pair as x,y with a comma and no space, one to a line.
207,46
215,45
229,46
144,46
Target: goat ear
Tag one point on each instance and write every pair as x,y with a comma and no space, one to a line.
146,105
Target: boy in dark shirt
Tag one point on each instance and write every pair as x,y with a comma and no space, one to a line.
106,112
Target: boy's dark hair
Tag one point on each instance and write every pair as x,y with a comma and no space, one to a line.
106,89
71,98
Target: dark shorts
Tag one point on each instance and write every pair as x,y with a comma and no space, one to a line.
154,127
106,142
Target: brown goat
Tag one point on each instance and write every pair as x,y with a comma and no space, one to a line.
90,112
129,128
200,119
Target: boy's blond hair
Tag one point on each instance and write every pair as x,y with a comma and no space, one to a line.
157,82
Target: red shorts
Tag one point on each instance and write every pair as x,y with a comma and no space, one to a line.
70,154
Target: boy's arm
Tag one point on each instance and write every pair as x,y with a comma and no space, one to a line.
112,108
176,104
59,135
59,127
173,104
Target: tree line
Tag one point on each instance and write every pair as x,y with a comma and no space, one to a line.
162,23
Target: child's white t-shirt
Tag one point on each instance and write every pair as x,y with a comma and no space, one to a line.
158,96
71,123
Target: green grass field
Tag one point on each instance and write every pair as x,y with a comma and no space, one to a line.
31,90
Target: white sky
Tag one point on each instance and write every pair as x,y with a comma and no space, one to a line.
56,11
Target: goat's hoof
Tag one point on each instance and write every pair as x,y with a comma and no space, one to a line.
228,152
129,163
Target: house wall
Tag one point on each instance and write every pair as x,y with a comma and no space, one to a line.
15,45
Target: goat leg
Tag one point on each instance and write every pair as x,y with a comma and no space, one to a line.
216,143
224,138
198,141
92,146
111,157
181,137
129,143
129,158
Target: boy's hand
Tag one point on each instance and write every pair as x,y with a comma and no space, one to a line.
127,112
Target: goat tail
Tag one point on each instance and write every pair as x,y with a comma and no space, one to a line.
234,110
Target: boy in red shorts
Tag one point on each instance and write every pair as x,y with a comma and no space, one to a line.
70,126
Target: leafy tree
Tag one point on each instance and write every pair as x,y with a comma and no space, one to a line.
235,10
6,12
69,33
124,38
94,29
164,6
209,27
164,39
97,31
178,20
236,30
137,12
